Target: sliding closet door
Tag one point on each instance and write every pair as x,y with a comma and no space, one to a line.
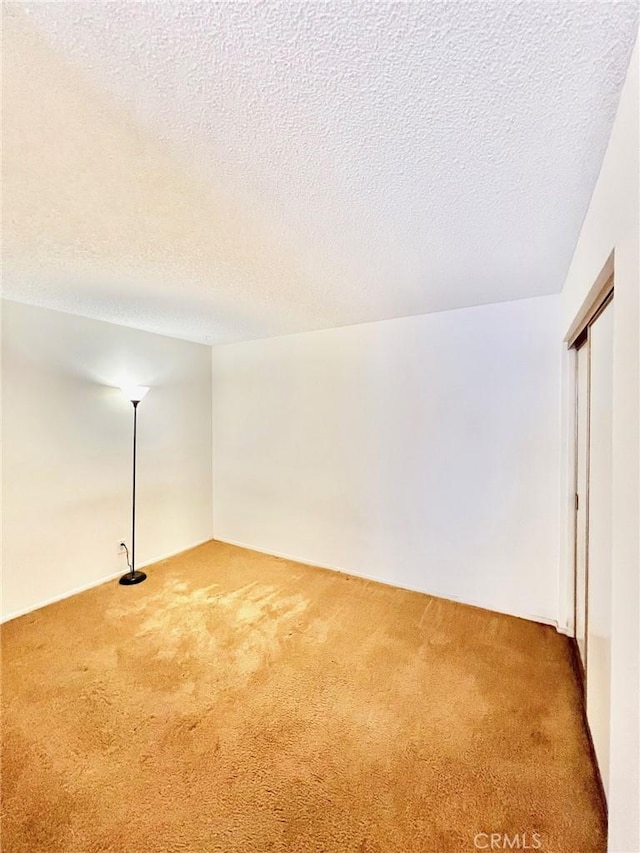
582,498
598,639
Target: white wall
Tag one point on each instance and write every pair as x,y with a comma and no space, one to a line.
67,450
612,222
422,451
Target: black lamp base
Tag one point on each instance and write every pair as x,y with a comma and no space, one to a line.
132,577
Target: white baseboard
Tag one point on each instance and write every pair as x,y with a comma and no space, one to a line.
16,613
471,602
543,620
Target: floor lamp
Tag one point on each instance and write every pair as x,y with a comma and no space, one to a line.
134,394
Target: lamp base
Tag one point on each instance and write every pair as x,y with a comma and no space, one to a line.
132,577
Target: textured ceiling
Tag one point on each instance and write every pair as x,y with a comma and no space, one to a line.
226,171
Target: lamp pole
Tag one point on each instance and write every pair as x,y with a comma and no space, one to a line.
132,577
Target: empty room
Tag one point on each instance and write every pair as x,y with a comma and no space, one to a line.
320,427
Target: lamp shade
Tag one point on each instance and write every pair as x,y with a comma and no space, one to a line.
134,393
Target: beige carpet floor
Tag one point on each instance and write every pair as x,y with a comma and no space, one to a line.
237,702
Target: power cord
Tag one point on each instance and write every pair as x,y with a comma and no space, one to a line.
126,550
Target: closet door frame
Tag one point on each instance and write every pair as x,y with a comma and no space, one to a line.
583,342
599,297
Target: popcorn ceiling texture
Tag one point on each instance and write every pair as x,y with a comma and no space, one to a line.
227,171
